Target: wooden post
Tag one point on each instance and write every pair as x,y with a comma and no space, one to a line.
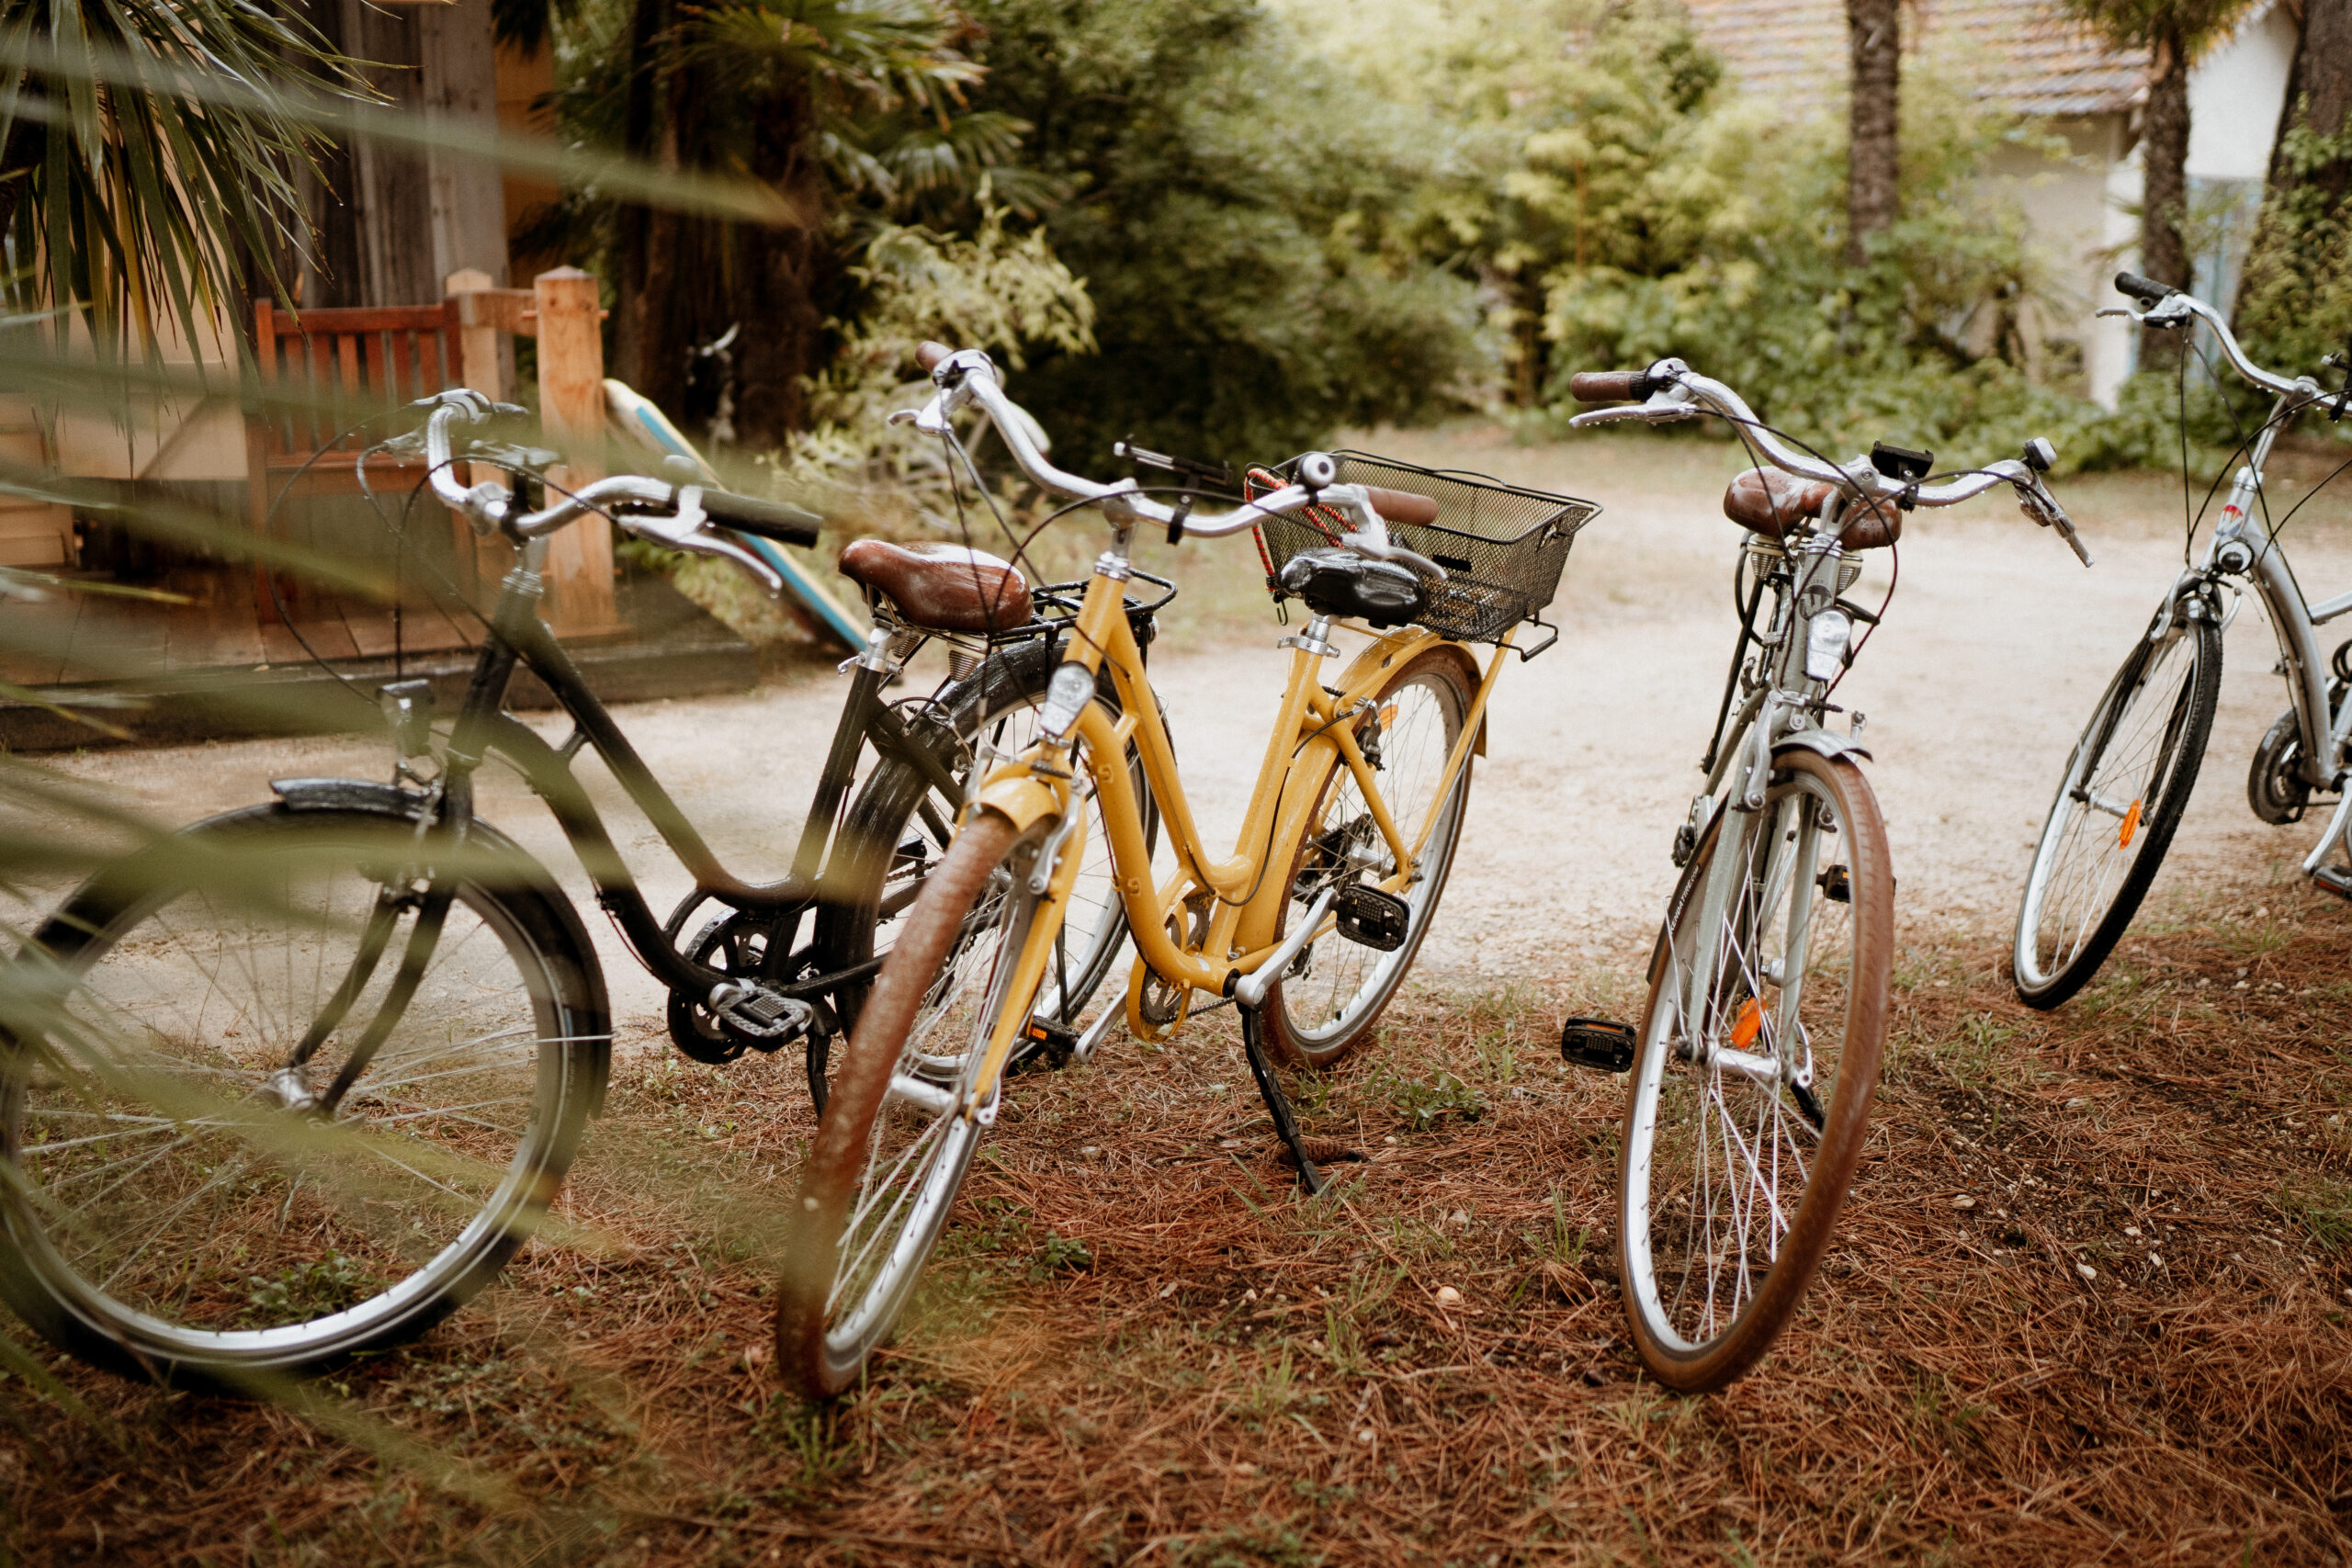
572,410
478,363
481,364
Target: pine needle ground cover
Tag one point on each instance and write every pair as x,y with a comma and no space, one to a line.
2089,1304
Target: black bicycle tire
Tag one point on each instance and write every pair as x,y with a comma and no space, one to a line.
2187,746
539,915
1280,1034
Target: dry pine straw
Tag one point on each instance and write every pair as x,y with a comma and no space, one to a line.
1136,1345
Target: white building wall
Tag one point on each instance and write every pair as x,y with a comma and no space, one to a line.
2236,92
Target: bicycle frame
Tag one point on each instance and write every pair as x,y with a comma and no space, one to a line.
2241,548
1313,736
518,636
1782,712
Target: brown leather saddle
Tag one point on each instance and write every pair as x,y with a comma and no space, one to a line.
940,588
1768,502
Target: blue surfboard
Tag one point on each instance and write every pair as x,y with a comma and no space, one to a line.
634,418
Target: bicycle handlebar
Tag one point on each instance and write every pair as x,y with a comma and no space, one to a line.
1674,391
2165,305
678,516
967,376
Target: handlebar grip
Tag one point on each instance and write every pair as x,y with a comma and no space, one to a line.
775,520
1402,506
1609,385
2146,290
929,354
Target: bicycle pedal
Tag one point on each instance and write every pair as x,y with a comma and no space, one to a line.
766,1018
1371,918
1597,1043
2336,879
1054,1044
1836,885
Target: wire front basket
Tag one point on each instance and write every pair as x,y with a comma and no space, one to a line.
1503,548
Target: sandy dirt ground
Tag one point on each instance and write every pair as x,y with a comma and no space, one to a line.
1994,649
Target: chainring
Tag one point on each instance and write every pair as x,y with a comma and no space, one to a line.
733,943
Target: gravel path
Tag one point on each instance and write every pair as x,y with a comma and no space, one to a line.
1991,656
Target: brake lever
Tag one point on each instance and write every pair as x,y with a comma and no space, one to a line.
1643,411
687,529
2036,502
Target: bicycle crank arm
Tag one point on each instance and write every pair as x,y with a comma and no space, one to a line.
1252,989
2313,864
1113,1011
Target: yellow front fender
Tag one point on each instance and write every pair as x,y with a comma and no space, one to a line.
1020,796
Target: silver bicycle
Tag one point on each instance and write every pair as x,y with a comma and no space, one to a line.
1758,1055
2129,777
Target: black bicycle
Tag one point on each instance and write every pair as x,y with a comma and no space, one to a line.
312,1071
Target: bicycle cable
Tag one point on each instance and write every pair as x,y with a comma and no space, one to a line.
269,577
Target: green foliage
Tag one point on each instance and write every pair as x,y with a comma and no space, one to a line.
1422,1106
1932,343
2295,304
1230,201
994,290
2321,1205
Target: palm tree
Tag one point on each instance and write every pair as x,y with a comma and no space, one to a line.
135,190
2296,302
2174,32
1873,169
841,105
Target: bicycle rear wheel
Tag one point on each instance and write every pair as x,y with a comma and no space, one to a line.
1334,994
189,1197
2126,784
1735,1168
892,1146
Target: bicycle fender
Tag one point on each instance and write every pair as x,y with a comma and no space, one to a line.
351,794
391,800
1018,795
1823,743
1402,648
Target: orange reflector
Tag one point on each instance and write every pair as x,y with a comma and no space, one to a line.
2130,825
1752,1019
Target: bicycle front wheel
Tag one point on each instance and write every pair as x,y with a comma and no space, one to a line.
1752,1082
897,833
2126,784
236,1150
1327,1003
893,1145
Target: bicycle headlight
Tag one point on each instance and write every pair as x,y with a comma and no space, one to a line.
1067,695
1827,639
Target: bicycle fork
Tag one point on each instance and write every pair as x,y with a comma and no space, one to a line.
1722,961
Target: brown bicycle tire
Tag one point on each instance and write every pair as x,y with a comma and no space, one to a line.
847,1129
1741,1345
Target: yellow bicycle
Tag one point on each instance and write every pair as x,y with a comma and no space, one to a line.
1308,927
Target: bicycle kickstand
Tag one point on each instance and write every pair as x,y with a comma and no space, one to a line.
2336,879
1277,1105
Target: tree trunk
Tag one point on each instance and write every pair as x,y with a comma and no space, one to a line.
779,271
2296,302
636,310
2163,190
1872,168
2318,87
